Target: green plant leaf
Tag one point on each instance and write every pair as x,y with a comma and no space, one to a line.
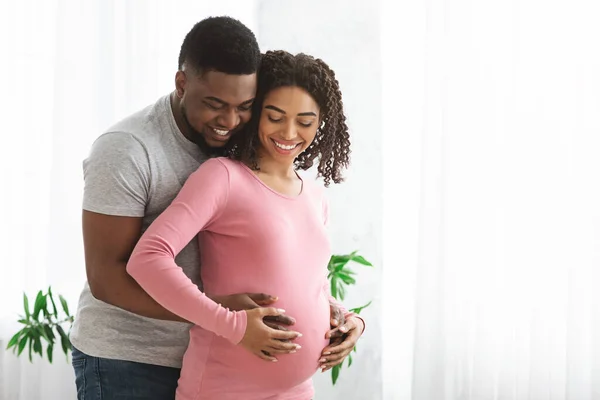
357,310
361,260
26,306
335,373
64,340
341,291
41,332
49,333
35,334
349,361
49,352
54,310
30,342
347,279
37,346
23,321
39,303
333,284
65,307
337,262
14,340
336,259
22,344
337,267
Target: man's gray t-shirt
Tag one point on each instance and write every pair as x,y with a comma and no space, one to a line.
136,169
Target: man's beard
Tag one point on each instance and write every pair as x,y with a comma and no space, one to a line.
199,139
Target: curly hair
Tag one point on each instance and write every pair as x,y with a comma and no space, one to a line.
222,44
332,141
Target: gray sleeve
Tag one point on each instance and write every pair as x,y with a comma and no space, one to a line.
117,176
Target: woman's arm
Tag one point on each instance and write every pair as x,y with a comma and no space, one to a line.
152,263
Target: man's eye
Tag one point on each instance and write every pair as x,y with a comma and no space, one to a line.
212,106
245,108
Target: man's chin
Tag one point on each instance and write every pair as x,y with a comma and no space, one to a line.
215,144
212,148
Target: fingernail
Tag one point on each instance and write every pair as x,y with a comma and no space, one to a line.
298,347
327,353
299,335
343,329
292,352
280,310
322,360
274,360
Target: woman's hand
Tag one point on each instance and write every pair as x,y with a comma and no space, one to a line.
341,347
264,341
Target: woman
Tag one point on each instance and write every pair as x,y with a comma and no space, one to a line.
261,229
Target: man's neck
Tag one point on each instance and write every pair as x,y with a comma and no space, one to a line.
178,115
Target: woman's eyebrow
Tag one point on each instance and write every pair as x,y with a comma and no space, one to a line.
303,114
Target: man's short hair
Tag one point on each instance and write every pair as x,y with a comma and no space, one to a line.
221,44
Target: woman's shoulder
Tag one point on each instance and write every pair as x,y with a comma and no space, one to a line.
222,163
235,170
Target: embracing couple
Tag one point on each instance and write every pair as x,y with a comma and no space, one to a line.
206,253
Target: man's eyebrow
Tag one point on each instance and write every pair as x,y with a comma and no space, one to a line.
217,100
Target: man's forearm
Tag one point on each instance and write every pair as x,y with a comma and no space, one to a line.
124,292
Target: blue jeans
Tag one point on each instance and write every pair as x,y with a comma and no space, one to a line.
103,379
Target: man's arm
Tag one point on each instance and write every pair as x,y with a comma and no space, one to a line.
108,242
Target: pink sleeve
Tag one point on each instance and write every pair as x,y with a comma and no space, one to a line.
326,286
152,263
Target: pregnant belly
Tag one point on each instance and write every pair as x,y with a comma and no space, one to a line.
246,373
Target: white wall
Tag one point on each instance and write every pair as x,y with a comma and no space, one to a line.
345,34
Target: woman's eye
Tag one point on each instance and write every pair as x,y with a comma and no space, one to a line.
274,119
305,124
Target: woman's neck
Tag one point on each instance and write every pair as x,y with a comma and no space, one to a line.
275,168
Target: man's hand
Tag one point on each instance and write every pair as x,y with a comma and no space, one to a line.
340,347
250,301
337,319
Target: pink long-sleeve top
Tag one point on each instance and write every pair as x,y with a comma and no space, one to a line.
252,239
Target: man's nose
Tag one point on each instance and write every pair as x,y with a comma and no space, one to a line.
229,119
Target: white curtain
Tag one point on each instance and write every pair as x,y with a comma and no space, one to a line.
494,150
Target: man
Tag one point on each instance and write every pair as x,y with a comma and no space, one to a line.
126,346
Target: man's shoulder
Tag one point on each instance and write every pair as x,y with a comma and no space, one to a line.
143,126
